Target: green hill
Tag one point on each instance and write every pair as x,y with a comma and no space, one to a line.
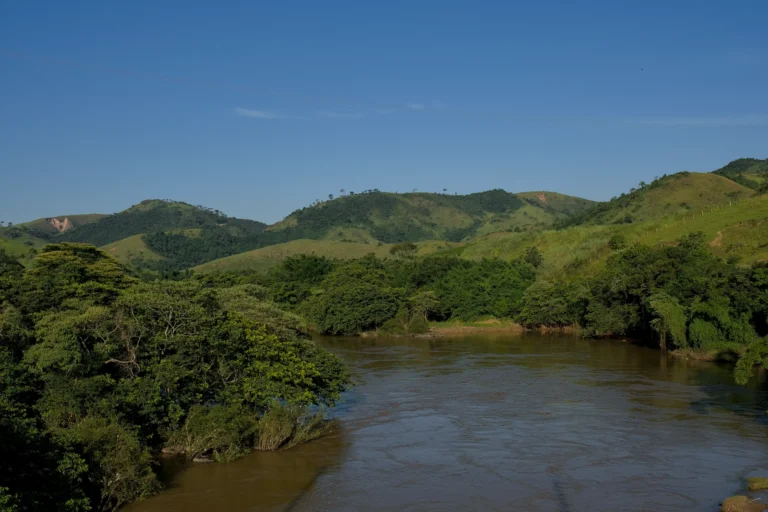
49,227
736,230
368,218
132,250
413,217
750,172
262,259
155,215
174,235
675,194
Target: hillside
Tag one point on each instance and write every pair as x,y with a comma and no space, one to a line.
675,194
169,235
49,227
413,217
737,230
155,215
749,172
262,259
369,219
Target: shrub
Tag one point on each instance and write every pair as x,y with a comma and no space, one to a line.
284,426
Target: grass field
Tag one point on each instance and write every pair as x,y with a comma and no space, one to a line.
130,248
739,230
262,259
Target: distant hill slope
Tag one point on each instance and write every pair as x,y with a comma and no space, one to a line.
413,217
369,218
733,230
750,172
155,215
263,259
669,195
49,227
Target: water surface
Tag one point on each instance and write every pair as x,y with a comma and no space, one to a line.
525,423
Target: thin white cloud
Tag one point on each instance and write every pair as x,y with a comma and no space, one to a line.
704,122
258,114
416,106
340,115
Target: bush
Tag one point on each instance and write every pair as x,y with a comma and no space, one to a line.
284,426
223,432
617,242
548,304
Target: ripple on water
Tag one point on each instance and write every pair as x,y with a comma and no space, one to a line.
506,423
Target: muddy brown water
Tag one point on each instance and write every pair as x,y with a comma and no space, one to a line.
523,423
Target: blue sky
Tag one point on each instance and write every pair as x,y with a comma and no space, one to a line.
259,108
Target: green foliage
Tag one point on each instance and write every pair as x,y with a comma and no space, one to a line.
669,319
284,426
549,304
153,216
488,287
750,172
403,249
533,257
353,299
617,242
224,432
664,196
98,371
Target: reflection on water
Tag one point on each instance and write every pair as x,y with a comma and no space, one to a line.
528,423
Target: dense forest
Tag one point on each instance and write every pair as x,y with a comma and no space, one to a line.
100,372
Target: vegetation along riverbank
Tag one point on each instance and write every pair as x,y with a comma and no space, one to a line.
188,331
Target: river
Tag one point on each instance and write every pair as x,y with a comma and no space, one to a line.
523,423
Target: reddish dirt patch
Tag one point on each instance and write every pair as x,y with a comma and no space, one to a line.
542,197
718,240
60,225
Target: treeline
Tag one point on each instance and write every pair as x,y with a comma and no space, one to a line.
100,372
400,294
680,296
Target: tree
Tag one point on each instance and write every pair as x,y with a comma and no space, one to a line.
617,242
403,250
342,191
424,303
669,320
330,197
533,257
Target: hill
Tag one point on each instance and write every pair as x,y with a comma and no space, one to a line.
262,259
154,215
749,172
169,235
675,194
737,230
413,217
49,227
368,218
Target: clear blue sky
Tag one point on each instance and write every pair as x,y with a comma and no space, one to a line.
274,105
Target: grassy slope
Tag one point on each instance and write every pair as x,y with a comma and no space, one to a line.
671,195
750,172
128,249
739,229
393,217
264,258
